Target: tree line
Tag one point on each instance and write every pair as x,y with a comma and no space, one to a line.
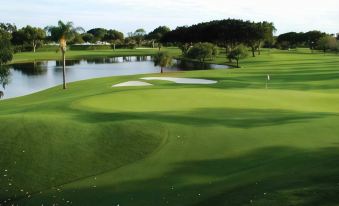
30,38
200,41
228,34
314,40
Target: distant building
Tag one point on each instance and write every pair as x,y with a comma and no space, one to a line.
94,44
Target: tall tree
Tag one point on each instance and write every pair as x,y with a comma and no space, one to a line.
63,33
139,36
33,35
87,37
113,37
10,28
327,43
238,53
6,55
157,34
77,39
267,30
4,76
254,36
6,51
18,39
312,37
257,34
289,40
163,59
98,34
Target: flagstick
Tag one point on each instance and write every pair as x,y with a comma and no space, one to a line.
267,79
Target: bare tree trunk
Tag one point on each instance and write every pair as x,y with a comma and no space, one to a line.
162,70
237,63
34,46
253,51
64,69
259,50
153,44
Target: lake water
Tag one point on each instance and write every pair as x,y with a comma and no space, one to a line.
22,79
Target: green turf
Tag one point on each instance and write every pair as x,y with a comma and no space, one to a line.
52,55
232,143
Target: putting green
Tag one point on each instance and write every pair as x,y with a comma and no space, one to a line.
190,99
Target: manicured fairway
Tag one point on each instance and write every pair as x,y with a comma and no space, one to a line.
230,143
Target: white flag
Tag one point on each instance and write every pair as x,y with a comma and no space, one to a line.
268,77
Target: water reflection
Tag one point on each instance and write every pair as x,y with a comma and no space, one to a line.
30,69
21,79
189,65
68,63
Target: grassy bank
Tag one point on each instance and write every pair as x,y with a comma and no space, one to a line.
52,55
232,143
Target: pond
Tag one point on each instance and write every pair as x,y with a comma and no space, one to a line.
26,78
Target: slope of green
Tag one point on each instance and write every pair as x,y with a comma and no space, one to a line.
232,143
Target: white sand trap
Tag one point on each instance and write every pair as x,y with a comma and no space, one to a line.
132,84
182,80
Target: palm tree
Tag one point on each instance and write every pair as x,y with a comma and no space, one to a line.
163,59
62,33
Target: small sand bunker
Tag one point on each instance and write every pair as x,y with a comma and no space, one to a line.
132,84
182,80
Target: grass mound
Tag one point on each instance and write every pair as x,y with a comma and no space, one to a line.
44,151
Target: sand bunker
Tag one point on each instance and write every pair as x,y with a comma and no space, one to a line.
182,80
132,84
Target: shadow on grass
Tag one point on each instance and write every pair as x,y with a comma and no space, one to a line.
239,118
267,176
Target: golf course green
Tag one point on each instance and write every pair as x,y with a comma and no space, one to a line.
235,142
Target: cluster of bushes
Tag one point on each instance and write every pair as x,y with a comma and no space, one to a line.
208,51
202,51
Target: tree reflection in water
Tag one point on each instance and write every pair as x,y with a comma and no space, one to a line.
190,65
31,69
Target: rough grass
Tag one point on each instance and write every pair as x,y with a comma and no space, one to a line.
232,143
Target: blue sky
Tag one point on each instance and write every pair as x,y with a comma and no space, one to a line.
129,15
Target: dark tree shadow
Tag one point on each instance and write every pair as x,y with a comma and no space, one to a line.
228,117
